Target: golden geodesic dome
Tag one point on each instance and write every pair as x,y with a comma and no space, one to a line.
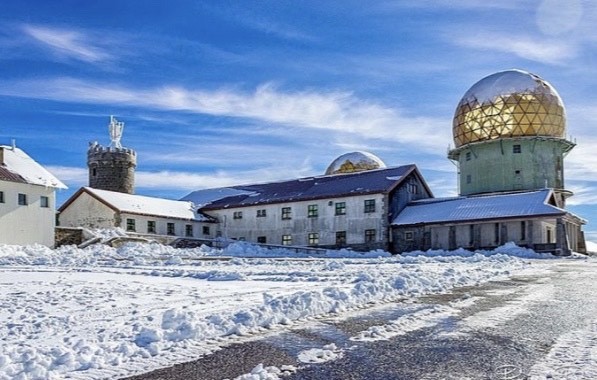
510,103
355,162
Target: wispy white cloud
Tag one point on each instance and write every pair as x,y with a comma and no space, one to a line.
68,43
332,110
550,51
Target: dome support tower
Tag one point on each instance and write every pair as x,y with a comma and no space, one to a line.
509,131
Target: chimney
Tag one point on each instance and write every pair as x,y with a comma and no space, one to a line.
1,155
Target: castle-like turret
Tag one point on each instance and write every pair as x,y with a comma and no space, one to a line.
112,168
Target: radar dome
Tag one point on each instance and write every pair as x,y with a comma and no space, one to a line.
355,162
510,103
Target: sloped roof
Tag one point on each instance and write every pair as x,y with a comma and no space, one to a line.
479,207
338,185
17,166
142,205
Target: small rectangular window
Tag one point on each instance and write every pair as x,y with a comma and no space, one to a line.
286,213
205,230
130,225
22,199
261,213
413,188
516,148
409,235
151,226
286,239
188,230
369,206
471,234
170,229
523,230
313,238
340,208
496,233
261,239
44,201
370,236
468,156
237,215
312,211
468,178
1,196
340,238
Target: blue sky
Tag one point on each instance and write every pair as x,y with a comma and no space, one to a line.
215,93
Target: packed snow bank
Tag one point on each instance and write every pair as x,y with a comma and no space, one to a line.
110,312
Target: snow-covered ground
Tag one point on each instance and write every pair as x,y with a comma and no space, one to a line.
102,312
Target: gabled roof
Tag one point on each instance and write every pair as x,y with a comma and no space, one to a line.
479,207
328,186
142,205
17,166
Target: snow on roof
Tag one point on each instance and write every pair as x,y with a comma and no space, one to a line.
18,163
366,182
139,204
479,207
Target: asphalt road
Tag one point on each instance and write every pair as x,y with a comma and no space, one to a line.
499,331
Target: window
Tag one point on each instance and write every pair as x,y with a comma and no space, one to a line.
22,199
369,205
286,239
409,235
94,172
471,234
188,230
496,233
517,172
340,238
130,225
549,235
286,213
516,148
370,236
313,238
468,156
205,230
468,178
523,230
312,211
170,229
261,239
261,213
237,215
1,196
44,201
413,188
340,208
151,226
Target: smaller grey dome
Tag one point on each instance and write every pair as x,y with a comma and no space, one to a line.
355,162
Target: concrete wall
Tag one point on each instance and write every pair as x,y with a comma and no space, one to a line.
162,226
326,224
493,166
31,223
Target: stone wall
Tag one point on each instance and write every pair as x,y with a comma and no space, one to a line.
68,236
111,168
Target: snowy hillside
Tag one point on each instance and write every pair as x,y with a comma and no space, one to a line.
105,312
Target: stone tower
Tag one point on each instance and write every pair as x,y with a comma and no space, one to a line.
112,168
509,131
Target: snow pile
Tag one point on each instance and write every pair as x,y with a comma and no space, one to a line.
509,249
104,311
267,373
244,249
320,355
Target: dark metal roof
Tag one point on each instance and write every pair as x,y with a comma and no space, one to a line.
478,207
339,185
7,175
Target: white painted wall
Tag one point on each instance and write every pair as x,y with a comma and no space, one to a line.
272,226
30,224
162,226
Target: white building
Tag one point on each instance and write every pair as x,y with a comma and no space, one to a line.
136,214
27,199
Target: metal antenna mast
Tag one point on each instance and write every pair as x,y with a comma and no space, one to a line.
116,128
